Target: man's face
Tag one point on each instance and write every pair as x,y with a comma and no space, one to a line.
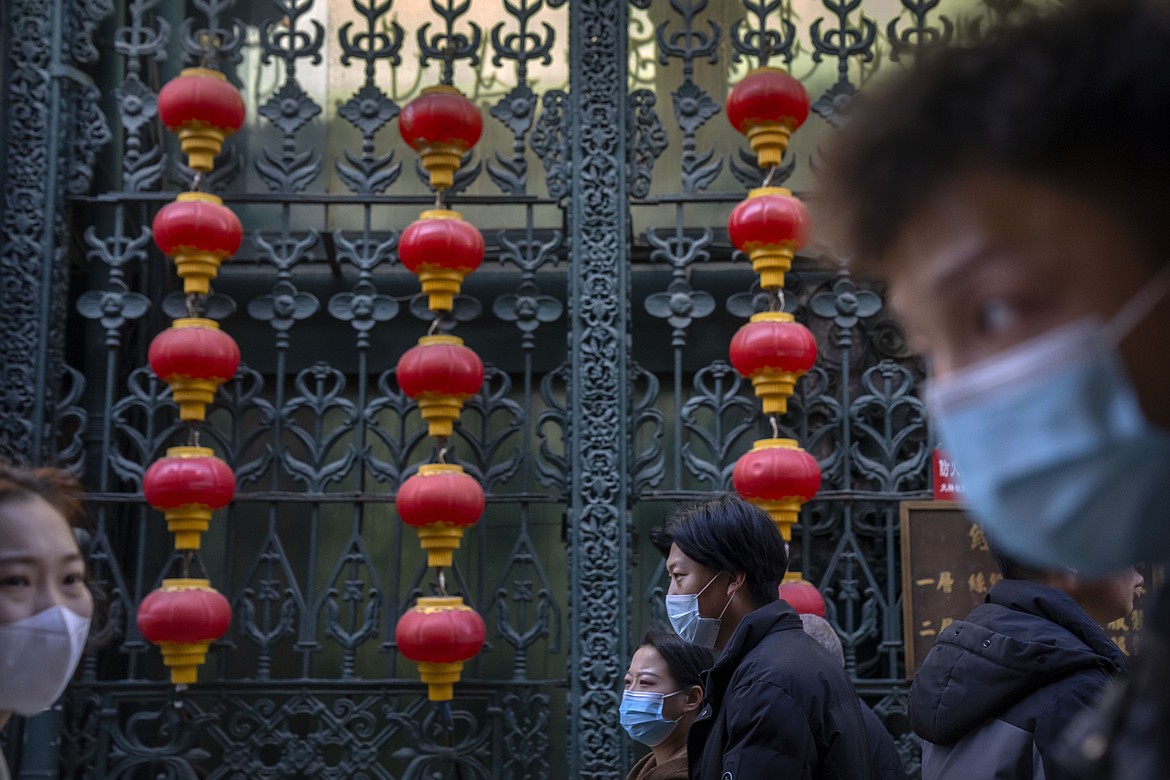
992,261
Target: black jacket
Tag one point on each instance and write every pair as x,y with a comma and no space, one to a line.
997,689
778,706
884,761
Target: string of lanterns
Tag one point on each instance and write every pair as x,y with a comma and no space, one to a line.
772,349
440,633
185,615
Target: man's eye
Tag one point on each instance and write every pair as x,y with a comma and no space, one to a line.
997,316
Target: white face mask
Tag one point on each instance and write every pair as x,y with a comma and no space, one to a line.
37,657
1058,461
692,627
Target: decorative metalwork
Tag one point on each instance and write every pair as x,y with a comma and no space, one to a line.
603,310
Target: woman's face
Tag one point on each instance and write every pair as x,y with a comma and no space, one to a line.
40,563
649,672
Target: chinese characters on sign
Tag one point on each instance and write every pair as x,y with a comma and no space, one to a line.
946,572
946,482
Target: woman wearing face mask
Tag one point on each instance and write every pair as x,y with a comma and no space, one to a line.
45,606
663,694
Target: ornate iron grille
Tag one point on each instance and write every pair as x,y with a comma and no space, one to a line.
604,313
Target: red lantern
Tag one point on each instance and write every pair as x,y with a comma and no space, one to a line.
767,106
440,501
802,595
774,350
194,357
441,125
187,486
441,248
440,373
777,476
769,226
203,108
199,232
440,633
183,617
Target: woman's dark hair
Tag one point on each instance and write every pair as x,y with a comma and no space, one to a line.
685,661
1078,99
729,534
56,486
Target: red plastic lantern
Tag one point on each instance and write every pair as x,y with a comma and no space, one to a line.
440,501
767,106
802,595
187,486
773,350
777,476
441,248
441,125
769,226
203,108
440,373
440,633
199,232
194,357
183,617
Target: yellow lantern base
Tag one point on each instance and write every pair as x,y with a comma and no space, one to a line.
197,269
440,285
440,679
793,576
771,263
785,512
774,388
768,141
193,396
201,143
440,540
440,412
184,660
441,162
187,523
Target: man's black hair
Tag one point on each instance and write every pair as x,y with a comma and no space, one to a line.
1078,99
729,534
685,661
1013,569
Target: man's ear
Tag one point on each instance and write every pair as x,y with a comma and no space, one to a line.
736,582
693,699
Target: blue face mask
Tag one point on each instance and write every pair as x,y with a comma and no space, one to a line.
1057,460
683,612
641,714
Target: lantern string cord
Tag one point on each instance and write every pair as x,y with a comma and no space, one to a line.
442,583
775,426
438,199
193,436
442,453
197,181
434,325
775,299
768,176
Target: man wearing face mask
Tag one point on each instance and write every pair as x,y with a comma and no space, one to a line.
778,705
45,605
1014,192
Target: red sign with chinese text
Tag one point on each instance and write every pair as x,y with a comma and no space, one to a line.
947,485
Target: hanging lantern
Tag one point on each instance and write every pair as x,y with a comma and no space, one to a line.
441,125
194,357
769,226
777,476
767,106
203,108
441,248
187,486
440,501
773,350
802,595
199,232
183,618
440,373
440,633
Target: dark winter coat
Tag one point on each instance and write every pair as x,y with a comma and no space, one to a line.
777,706
997,689
884,761
1124,735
